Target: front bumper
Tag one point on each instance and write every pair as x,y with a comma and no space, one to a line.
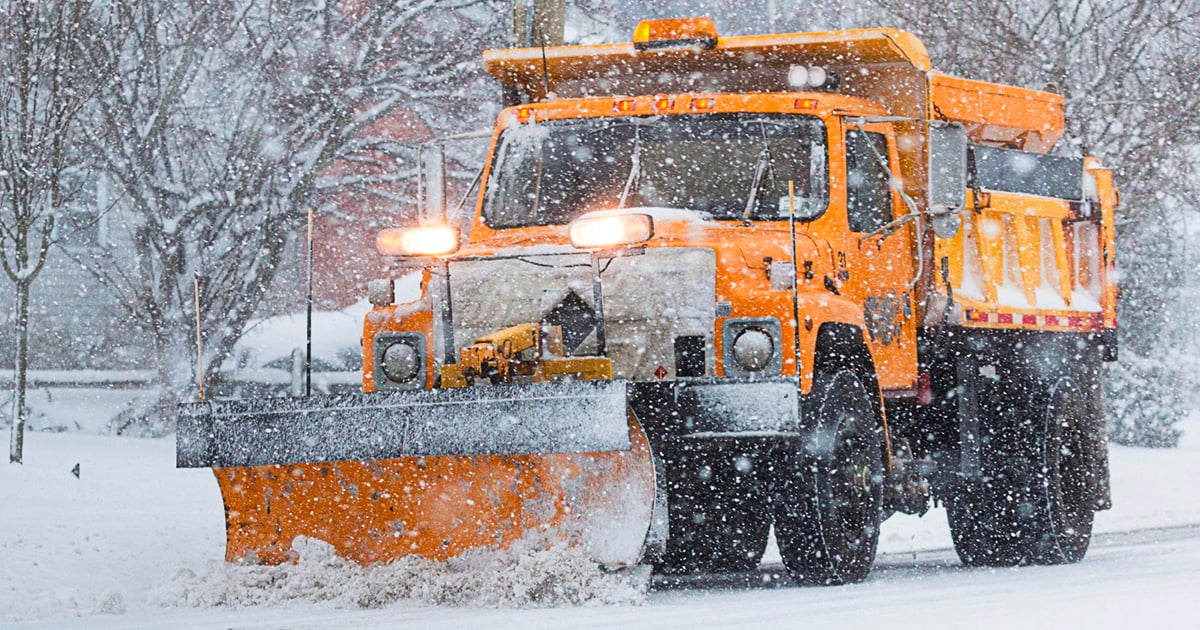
719,408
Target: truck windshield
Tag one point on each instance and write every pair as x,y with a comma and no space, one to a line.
725,166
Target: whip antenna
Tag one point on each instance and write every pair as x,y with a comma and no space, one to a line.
199,343
308,326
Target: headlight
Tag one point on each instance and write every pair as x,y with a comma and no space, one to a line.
401,362
753,350
428,240
603,231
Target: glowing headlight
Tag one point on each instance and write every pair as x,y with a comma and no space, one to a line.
753,350
603,231
428,240
401,362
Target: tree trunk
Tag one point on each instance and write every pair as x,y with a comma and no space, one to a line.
17,446
538,22
169,351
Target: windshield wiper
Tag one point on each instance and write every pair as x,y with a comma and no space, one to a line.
760,167
635,166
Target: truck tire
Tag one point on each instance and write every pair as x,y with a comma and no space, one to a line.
716,526
720,545
1062,520
1035,503
828,496
981,539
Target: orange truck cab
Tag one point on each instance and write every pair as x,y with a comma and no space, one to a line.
830,282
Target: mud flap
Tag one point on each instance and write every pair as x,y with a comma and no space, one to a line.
432,473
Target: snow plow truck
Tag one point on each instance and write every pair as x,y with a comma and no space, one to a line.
715,285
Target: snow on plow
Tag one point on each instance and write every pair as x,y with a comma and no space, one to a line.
432,473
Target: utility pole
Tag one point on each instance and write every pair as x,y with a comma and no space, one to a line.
535,23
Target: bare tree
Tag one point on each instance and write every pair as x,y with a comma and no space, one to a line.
43,89
220,130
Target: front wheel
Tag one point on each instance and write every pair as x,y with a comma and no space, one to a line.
730,543
717,518
828,495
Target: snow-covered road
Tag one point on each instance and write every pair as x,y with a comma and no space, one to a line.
1142,579
106,551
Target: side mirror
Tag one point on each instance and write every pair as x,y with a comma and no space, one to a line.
947,175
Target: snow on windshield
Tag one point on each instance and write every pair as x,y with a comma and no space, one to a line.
730,166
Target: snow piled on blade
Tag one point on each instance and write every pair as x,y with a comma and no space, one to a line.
529,574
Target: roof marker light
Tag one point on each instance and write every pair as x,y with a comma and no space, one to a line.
624,105
703,104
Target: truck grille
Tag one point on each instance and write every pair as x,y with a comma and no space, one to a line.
649,301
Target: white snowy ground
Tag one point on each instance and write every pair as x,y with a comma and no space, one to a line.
134,542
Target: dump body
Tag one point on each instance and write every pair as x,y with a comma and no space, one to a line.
754,239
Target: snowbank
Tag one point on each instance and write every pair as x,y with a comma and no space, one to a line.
337,335
90,410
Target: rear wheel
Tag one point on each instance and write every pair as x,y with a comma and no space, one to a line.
1064,526
828,496
1035,500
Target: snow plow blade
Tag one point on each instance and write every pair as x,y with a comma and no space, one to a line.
433,473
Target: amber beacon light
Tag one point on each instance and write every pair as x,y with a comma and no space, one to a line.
698,32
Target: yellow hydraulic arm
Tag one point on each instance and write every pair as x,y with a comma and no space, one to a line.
497,357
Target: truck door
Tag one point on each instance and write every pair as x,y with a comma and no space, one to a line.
879,261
